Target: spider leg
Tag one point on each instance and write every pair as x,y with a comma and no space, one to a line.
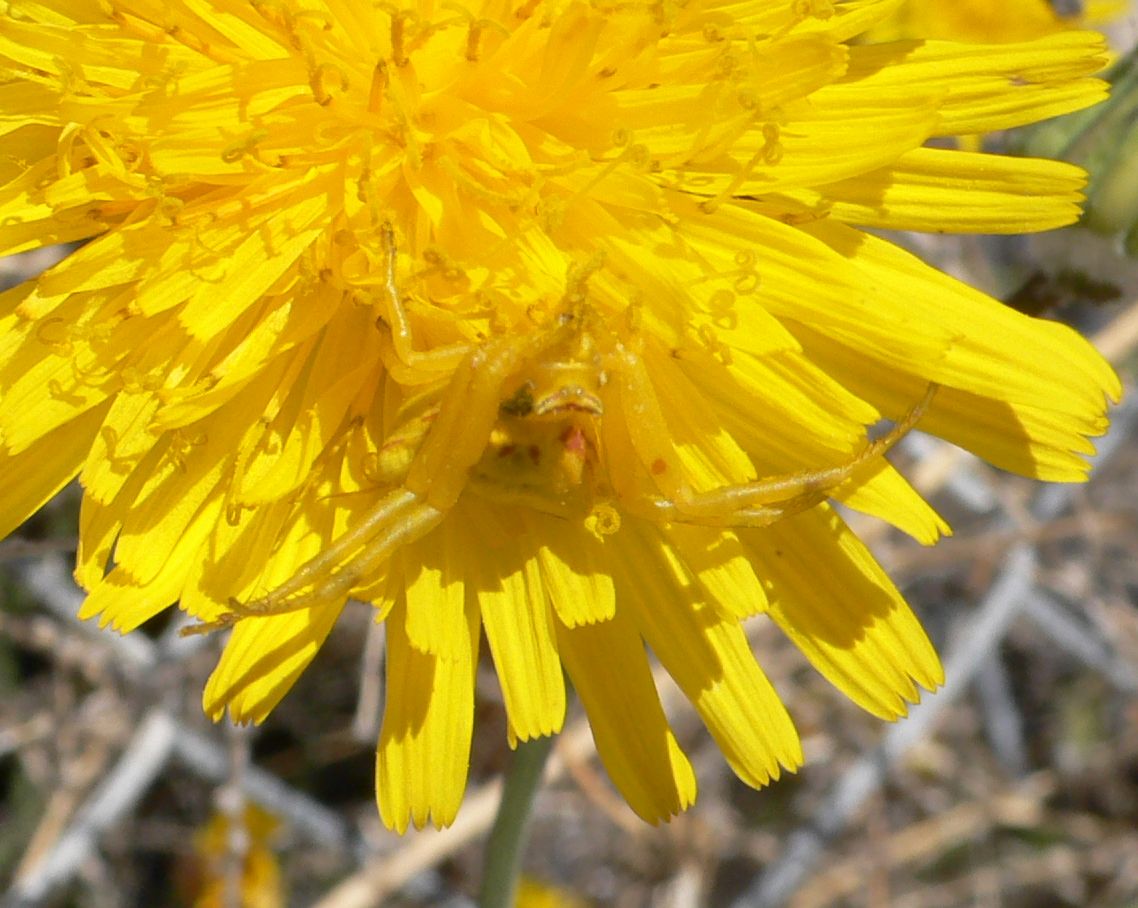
397,518
647,426
764,501
409,365
437,475
386,514
758,516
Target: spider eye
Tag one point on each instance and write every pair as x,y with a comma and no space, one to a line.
568,399
520,403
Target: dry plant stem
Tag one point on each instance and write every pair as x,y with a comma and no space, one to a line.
385,874
118,794
369,705
160,734
958,550
1120,337
1083,642
50,581
1003,722
207,759
504,848
779,882
232,802
967,822
160,737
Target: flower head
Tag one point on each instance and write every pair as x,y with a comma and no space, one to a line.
549,320
207,871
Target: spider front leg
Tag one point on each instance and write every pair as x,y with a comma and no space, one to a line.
407,364
761,503
397,518
751,504
437,475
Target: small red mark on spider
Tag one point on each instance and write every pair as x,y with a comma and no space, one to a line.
658,466
534,454
507,450
574,440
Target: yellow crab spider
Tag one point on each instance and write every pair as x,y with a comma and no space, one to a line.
459,436
522,420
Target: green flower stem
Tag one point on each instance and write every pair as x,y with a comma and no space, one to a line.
507,839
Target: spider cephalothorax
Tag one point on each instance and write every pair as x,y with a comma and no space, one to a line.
543,451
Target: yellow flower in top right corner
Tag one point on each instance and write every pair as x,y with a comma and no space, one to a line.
991,22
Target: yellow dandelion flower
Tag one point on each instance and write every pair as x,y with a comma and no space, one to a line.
536,894
553,321
205,875
984,20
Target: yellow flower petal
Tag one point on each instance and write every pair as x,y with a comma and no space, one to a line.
123,601
44,382
841,610
713,665
242,555
987,87
791,388
435,590
263,659
723,576
576,575
424,744
610,672
1033,418
938,189
517,618
32,477
982,20
805,281
305,414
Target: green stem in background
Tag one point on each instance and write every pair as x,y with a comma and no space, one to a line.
507,840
